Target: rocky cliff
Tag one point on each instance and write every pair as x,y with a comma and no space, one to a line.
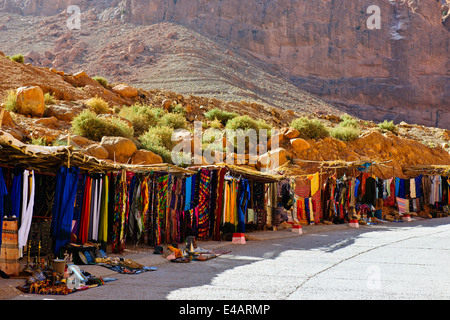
398,71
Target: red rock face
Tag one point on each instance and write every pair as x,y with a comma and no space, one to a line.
398,72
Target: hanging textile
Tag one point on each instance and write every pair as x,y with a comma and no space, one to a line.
103,219
135,227
83,229
219,202
370,194
403,205
145,198
229,208
16,193
203,208
315,181
78,207
188,203
120,211
43,200
62,213
328,199
27,207
163,184
3,195
95,213
242,200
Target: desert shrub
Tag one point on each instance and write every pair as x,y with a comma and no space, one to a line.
310,128
345,133
178,108
173,120
221,115
245,123
159,140
17,58
10,101
49,98
101,80
59,143
141,117
348,121
38,141
158,112
88,124
215,124
98,105
387,126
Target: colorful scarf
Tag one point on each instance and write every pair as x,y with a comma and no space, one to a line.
203,205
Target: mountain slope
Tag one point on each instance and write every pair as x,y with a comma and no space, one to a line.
399,72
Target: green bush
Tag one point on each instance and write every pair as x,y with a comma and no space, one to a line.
173,120
243,122
10,101
141,117
387,126
215,124
246,123
348,121
49,98
221,115
158,112
88,124
345,133
159,140
38,141
17,58
101,80
310,128
98,105
178,108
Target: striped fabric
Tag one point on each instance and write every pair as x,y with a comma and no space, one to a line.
163,186
302,187
203,205
403,205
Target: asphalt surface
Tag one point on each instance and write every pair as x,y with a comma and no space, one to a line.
405,260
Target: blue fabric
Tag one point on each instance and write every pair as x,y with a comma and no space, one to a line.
16,193
357,182
3,194
418,183
243,196
397,186
401,189
63,206
187,199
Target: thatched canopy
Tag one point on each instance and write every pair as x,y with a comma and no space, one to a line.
443,170
49,159
244,172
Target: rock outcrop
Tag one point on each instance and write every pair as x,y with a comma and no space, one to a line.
397,72
30,101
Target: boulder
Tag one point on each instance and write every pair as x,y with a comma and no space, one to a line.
63,112
120,149
275,139
272,159
167,104
30,101
145,157
292,133
51,122
300,144
125,90
97,151
7,120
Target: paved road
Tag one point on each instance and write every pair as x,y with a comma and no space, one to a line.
394,261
